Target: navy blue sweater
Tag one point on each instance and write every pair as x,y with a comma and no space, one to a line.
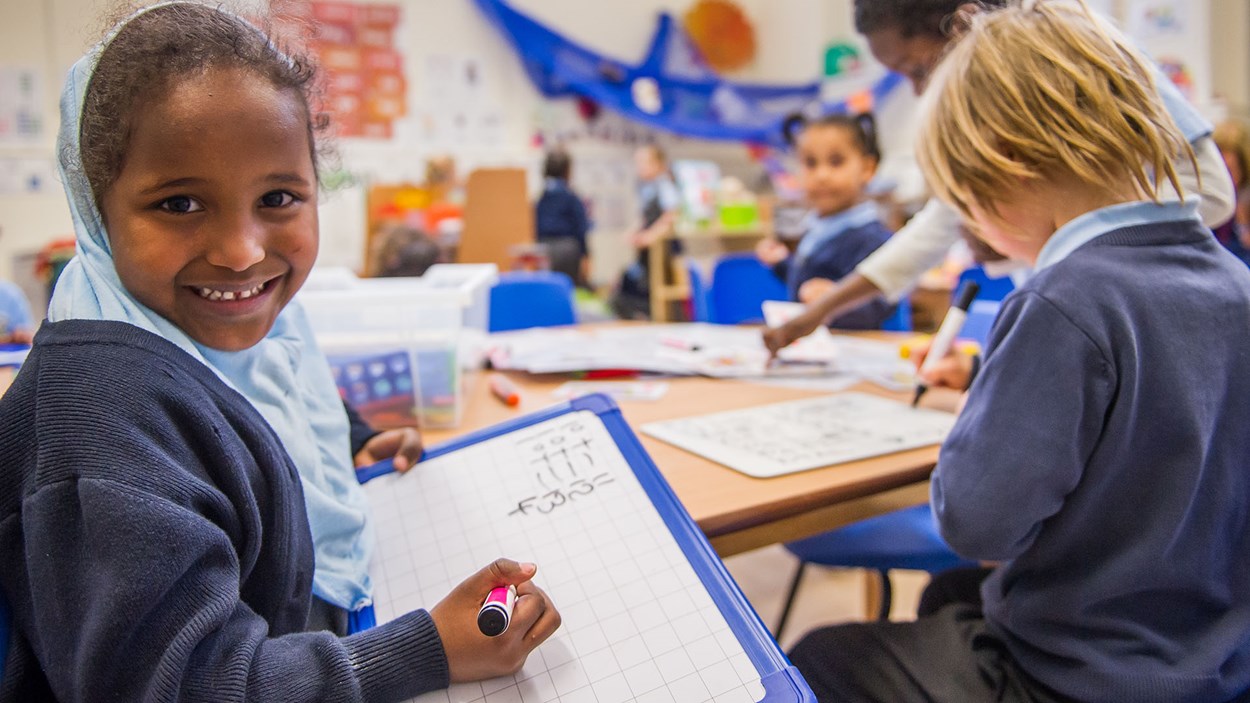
1104,457
153,541
836,260
560,214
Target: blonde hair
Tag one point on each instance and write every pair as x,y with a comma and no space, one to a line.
1233,136
1044,90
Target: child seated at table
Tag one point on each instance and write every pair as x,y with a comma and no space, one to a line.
179,514
838,156
17,325
1100,458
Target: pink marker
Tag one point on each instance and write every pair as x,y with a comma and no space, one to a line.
496,612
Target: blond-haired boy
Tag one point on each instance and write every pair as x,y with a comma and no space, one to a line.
1103,456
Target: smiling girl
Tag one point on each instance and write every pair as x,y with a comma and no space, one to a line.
179,514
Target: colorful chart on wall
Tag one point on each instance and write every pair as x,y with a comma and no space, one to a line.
355,44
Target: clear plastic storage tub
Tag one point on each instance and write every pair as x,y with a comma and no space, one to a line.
402,349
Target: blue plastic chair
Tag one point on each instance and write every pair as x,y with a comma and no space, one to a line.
903,539
740,285
981,315
699,305
900,321
523,299
984,309
991,288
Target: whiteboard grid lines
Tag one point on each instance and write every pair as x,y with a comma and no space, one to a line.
639,626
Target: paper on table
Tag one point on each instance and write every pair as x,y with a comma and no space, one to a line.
617,390
784,438
679,349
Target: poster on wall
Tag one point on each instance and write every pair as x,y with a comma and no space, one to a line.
459,86
21,106
27,175
1155,19
355,45
1175,33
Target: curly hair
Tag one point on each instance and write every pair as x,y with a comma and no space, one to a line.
162,45
912,17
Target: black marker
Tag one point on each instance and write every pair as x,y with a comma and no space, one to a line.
945,337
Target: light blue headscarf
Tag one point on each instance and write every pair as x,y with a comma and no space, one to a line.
284,376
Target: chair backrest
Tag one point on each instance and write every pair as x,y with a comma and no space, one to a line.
524,299
900,321
699,305
740,285
985,308
991,288
980,319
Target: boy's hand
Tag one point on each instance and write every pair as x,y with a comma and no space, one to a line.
771,251
472,656
814,289
953,371
404,445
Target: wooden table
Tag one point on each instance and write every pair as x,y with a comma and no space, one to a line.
737,513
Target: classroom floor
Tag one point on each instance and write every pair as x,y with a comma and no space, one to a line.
826,597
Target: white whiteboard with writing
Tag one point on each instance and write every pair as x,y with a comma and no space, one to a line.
649,614
785,438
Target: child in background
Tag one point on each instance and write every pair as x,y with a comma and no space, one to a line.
17,325
838,156
660,201
910,37
560,219
401,250
179,514
1100,458
1233,139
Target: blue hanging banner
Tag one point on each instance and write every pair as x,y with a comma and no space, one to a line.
670,89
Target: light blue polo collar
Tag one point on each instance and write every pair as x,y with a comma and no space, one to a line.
1091,225
824,229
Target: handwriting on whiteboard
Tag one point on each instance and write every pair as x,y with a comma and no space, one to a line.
562,460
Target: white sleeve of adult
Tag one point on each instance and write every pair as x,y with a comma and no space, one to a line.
1210,181
919,246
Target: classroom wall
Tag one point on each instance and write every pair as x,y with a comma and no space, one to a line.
1230,65
49,34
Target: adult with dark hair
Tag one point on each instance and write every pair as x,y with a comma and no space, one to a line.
910,37
560,218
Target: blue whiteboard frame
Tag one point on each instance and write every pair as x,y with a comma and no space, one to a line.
782,682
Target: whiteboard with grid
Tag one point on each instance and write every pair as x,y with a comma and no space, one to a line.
561,494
